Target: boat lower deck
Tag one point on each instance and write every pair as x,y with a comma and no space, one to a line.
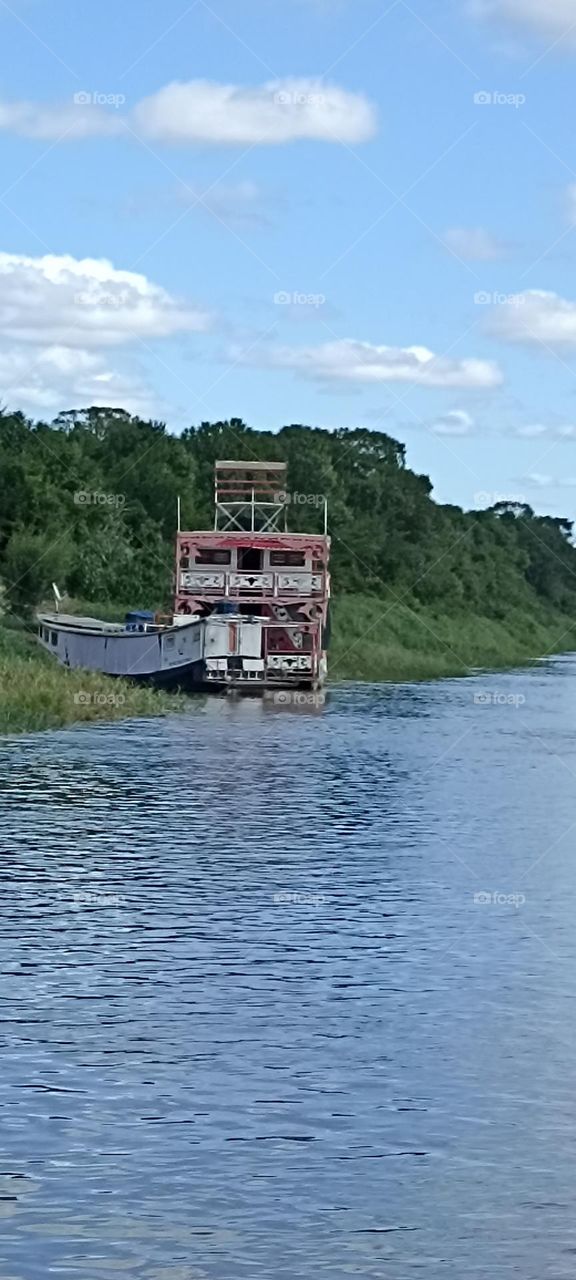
214,653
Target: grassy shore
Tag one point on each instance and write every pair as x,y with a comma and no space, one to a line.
36,693
378,639
373,639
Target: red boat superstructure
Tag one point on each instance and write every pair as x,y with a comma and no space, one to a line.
250,566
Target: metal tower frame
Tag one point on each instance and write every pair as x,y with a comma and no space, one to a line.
250,497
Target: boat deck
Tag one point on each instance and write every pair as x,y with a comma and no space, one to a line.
84,624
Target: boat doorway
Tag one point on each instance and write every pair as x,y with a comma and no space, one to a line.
249,560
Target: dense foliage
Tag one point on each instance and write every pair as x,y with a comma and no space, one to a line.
90,501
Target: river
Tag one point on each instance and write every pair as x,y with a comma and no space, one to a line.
290,992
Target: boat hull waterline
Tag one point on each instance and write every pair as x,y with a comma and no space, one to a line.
215,653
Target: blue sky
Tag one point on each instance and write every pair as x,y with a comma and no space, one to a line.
334,212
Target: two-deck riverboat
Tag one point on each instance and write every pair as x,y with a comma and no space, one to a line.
251,601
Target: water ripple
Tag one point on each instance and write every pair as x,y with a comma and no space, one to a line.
290,995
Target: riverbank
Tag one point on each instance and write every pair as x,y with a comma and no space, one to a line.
36,693
382,639
373,639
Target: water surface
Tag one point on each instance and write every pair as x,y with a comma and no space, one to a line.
293,995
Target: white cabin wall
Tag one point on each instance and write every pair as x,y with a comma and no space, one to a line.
248,638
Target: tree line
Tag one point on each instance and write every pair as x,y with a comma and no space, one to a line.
90,501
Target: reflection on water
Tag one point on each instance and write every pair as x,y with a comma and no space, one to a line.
290,995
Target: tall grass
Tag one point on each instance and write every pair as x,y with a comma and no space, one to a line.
381,639
36,693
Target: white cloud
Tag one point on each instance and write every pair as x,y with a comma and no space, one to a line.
532,431
535,480
457,422
474,244
280,111
536,317
86,303
59,318
65,122
552,18
361,362
541,431
202,112
45,381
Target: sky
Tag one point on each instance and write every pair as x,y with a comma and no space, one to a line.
342,213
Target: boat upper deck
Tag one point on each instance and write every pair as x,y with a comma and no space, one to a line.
250,555
244,566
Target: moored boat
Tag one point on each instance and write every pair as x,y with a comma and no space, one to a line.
250,604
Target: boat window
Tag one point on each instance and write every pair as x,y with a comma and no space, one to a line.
212,555
54,637
293,559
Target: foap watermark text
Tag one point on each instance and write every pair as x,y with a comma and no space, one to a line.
96,98
297,697
499,900
485,299
495,98
85,699
296,299
300,899
297,98
299,499
88,899
83,498
486,699
485,499
122,298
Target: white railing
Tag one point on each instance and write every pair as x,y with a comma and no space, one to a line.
199,580
305,583
274,584
251,581
289,662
